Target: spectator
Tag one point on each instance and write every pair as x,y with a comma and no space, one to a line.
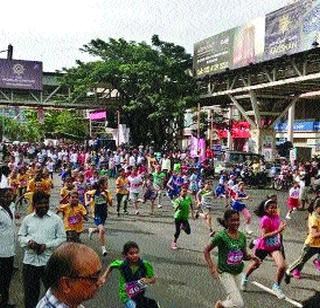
39,234
72,276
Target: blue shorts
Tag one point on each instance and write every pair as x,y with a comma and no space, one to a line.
238,206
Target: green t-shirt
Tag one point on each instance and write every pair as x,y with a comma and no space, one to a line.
122,282
230,252
158,178
103,172
182,207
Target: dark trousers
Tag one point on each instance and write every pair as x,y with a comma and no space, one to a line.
307,253
6,271
31,284
181,224
122,198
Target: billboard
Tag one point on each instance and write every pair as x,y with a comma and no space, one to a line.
283,29
289,30
248,43
213,55
20,74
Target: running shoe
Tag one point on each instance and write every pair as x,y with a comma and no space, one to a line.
137,213
174,245
288,217
248,230
316,263
296,274
244,283
104,251
287,277
277,291
90,232
159,206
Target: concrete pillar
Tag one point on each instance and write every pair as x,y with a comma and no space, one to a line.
291,116
229,140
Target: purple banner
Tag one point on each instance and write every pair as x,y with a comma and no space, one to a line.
20,74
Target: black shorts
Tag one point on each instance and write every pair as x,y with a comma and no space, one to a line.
262,254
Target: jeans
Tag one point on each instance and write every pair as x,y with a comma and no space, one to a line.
31,284
230,284
6,271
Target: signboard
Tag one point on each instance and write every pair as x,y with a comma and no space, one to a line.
248,43
298,126
97,115
214,54
20,74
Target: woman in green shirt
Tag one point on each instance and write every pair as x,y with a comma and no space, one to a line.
135,275
232,252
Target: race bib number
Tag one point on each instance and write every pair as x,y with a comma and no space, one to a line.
73,220
134,288
235,257
272,242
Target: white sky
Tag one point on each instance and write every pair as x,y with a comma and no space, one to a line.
53,31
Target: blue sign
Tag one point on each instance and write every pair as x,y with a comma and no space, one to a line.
298,126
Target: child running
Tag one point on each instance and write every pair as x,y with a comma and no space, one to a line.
232,252
74,215
204,201
182,207
311,245
135,275
269,243
100,199
293,200
239,206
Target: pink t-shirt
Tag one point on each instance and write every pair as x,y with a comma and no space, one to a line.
269,224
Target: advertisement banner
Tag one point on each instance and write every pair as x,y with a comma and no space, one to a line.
298,126
248,43
20,74
283,29
214,54
98,115
310,30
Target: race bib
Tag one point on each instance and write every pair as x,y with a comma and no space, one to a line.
235,257
272,242
134,288
73,220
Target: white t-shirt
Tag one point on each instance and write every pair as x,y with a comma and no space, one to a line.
132,161
294,193
135,183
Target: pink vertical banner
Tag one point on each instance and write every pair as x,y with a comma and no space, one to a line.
193,147
202,149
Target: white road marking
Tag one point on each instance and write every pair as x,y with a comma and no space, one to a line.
289,300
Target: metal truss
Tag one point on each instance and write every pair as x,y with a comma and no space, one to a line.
264,89
56,96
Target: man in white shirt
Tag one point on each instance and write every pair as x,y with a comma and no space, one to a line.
39,234
7,245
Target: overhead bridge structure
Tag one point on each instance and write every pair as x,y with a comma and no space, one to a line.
267,90
54,95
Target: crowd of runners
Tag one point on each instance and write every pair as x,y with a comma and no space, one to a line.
148,179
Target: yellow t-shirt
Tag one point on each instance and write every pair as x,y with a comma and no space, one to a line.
73,217
313,223
47,185
122,182
28,196
23,180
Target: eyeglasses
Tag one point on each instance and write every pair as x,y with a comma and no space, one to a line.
93,278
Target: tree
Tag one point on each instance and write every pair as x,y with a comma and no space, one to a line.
154,89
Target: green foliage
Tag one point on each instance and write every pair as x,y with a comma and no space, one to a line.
55,123
151,80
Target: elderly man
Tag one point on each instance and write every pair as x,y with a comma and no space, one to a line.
73,275
7,245
39,234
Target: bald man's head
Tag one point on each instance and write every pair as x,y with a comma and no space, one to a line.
70,260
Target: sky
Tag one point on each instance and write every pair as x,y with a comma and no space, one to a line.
53,31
